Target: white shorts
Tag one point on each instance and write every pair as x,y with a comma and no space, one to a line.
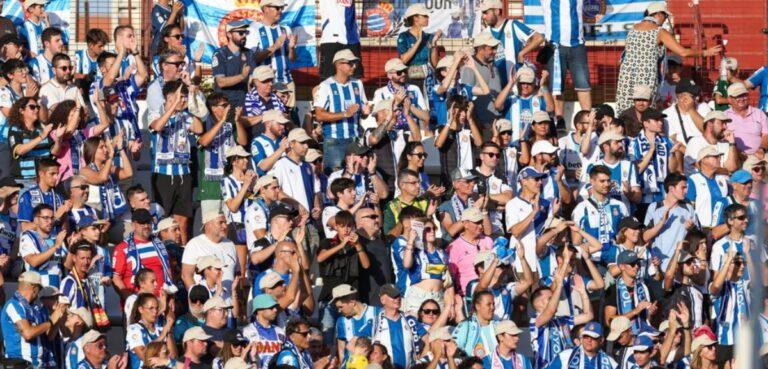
415,296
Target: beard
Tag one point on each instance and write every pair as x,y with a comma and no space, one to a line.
619,154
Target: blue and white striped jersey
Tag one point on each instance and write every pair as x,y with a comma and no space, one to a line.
138,335
35,196
562,21
335,97
600,220
32,32
623,171
80,295
262,147
268,340
16,347
262,37
362,326
708,196
85,65
73,353
513,35
230,187
170,147
42,69
50,271
426,265
502,297
730,309
519,111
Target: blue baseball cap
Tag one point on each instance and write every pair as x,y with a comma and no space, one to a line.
647,330
530,173
262,301
88,221
741,176
642,343
627,257
592,329
237,24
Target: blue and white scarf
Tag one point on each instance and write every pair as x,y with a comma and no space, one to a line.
657,170
112,201
627,301
173,142
576,361
410,344
214,154
557,76
401,122
75,146
302,358
133,251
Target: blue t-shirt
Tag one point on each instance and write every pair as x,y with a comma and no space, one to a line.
760,78
406,40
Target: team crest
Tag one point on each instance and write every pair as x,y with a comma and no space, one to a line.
592,9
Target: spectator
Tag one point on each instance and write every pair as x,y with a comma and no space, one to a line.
69,134
76,285
729,73
445,85
261,98
481,81
233,62
16,72
340,117
100,173
213,241
257,211
599,214
522,104
295,350
498,193
409,185
476,336
707,189
59,87
172,38
34,26
195,343
85,61
291,167
714,134
22,327
459,139
591,341
407,97
417,49
633,115
269,146
507,335
620,339
368,225
236,188
630,296
263,332
527,213
274,44
360,165
28,139
517,38
462,251
44,192
463,198
685,118
495,276
410,334
95,353
625,182
677,216
749,127
759,78
171,155
41,248
198,296
171,65
41,63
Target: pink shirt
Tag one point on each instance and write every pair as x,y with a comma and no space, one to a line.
461,259
748,130
64,158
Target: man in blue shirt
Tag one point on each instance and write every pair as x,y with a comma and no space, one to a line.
295,351
21,325
588,355
402,335
47,170
760,78
599,214
232,63
675,212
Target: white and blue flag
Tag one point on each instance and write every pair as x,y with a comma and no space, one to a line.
618,17
58,15
205,21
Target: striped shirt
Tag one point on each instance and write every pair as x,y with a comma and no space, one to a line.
15,310
600,220
74,353
50,271
622,171
513,35
268,340
32,32
262,147
335,97
127,116
23,166
138,335
562,21
519,111
708,196
262,37
85,65
170,147
42,69
230,187
255,104
33,197
730,309
76,214
8,235
79,294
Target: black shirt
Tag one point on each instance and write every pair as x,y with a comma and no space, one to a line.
342,267
610,295
379,273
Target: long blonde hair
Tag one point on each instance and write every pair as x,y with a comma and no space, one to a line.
697,362
152,349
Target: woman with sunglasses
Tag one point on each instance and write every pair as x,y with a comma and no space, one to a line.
458,140
18,84
413,157
415,47
70,133
235,345
173,39
146,326
28,138
703,354
432,317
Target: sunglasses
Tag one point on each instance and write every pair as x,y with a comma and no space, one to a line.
305,333
506,133
372,216
492,154
421,155
740,217
430,311
242,32
758,169
400,72
177,36
239,344
177,64
66,68
33,107
81,187
429,229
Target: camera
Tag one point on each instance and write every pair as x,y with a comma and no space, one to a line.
482,186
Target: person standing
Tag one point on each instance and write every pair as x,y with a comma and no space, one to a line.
274,45
232,63
676,214
647,42
368,222
482,81
517,39
599,214
685,118
399,333
293,174
714,134
42,248
213,241
707,188
508,337
264,331
340,103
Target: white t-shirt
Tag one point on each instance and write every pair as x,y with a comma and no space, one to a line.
333,21
692,151
496,186
296,179
52,93
255,218
571,157
672,123
225,250
516,210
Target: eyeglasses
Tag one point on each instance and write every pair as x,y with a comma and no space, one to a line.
372,216
197,301
45,218
277,8
741,97
81,187
430,311
305,333
492,154
421,155
176,64
241,32
101,345
177,36
65,68
33,107
411,182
